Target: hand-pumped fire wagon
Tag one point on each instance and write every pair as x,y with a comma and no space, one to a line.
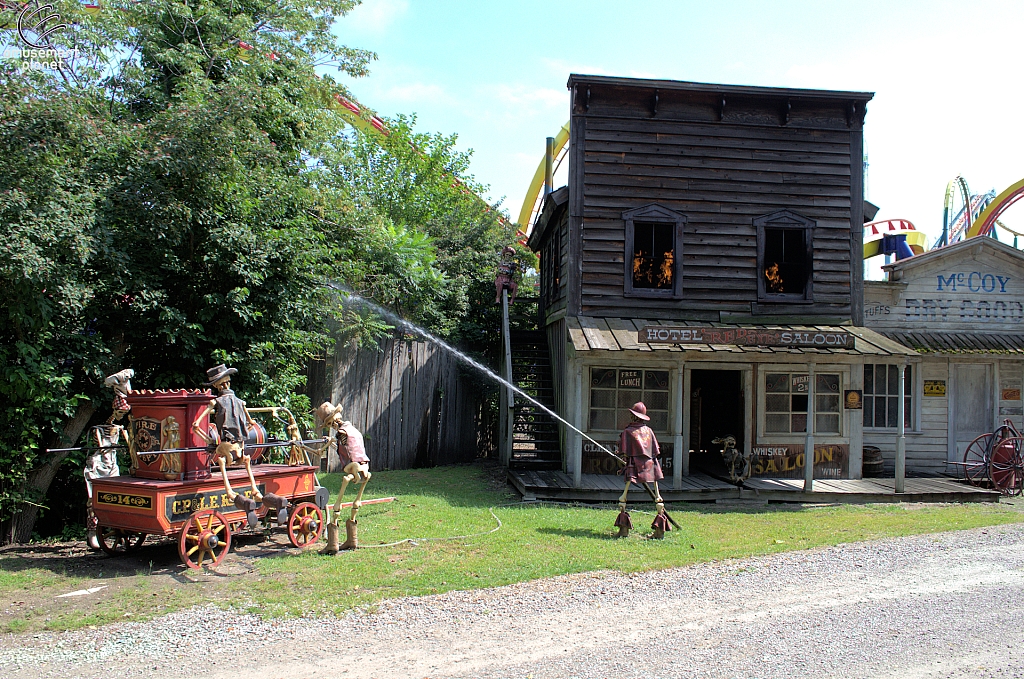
198,473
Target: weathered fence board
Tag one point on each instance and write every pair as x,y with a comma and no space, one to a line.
414,405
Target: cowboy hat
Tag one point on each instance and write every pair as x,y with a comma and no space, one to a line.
326,412
217,372
639,410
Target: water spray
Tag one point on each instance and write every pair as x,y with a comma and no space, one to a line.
414,329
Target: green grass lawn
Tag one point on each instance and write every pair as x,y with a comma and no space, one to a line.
534,541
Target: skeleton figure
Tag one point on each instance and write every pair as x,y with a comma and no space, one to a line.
737,462
100,465
348,442
103,462
170,438
640,446
233,422
506,278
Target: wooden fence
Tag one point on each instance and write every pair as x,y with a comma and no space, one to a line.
412,401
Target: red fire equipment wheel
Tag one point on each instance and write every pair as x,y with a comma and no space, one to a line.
1006,467
115,541
976,460
305,525
205,539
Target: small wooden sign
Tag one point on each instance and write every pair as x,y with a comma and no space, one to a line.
853,399
935,387
746,337
1011,394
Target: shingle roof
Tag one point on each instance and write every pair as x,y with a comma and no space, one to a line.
959,342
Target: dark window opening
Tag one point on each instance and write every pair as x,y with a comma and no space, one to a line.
785,261
653,256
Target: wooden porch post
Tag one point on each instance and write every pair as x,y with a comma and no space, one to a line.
809,441
509,403
901,438
677,429
576,448
685,396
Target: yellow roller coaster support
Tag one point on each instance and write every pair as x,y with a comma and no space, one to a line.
991,212
533,193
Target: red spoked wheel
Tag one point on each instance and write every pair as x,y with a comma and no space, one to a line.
305,525
205,539
976,460
115,541
1006,466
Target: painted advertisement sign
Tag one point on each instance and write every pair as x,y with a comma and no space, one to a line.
831,461
596,461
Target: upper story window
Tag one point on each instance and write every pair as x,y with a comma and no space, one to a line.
785,257
653,254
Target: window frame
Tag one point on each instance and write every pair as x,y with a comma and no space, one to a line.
846,426
618,409
785,219
653,214
910,392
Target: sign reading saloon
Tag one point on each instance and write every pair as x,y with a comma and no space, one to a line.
747,337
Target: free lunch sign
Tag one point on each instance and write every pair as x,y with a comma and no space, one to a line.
746,337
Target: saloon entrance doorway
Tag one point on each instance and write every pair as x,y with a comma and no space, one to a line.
716,410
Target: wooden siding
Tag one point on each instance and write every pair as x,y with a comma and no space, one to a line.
412,403
720,174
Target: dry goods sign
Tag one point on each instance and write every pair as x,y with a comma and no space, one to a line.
746,337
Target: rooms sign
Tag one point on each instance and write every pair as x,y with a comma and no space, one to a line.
746,337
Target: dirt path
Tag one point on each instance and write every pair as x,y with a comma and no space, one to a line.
928,606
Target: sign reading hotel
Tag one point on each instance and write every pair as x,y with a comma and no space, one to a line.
746,337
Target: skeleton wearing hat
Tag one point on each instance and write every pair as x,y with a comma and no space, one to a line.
347,441
506,276
233,422
640,446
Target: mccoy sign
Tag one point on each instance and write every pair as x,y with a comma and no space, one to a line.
746,337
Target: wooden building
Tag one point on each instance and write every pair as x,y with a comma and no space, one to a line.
962,309
705,258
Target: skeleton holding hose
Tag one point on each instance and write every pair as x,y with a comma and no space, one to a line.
640,446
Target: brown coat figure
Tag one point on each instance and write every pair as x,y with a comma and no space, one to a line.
639,445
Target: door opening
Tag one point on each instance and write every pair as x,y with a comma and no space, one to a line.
716,411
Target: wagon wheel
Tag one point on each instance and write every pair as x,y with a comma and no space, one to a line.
205,539
115,541
305,525
976,459
1006,468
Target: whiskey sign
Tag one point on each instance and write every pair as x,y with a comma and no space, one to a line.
746,337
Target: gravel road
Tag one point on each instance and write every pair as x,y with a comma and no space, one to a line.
947,605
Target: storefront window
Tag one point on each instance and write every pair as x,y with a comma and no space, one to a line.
614,390
785,405
882,396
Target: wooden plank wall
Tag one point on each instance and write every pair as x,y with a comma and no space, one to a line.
721,175
412,402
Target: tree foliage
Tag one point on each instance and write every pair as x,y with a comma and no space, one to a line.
180,192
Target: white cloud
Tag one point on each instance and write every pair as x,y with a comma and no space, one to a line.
376,16
415,93
521,95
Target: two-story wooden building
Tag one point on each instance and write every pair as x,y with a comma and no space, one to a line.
705,258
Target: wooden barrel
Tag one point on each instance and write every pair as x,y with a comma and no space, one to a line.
873,467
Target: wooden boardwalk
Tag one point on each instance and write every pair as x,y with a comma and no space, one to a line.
557,485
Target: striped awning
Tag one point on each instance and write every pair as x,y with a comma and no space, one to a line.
588,333
959,342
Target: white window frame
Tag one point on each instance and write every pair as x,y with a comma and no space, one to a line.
916,393
844,372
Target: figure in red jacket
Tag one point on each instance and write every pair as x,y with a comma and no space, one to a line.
639,445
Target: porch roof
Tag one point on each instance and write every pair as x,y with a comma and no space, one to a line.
959,342
588,333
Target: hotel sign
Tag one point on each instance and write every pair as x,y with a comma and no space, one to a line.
746,337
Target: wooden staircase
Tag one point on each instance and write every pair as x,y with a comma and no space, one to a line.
535,442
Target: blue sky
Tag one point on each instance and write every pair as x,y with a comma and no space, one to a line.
948,98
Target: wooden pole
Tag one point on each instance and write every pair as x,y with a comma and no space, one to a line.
677,429
901,437
809,441
576,451
510,403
